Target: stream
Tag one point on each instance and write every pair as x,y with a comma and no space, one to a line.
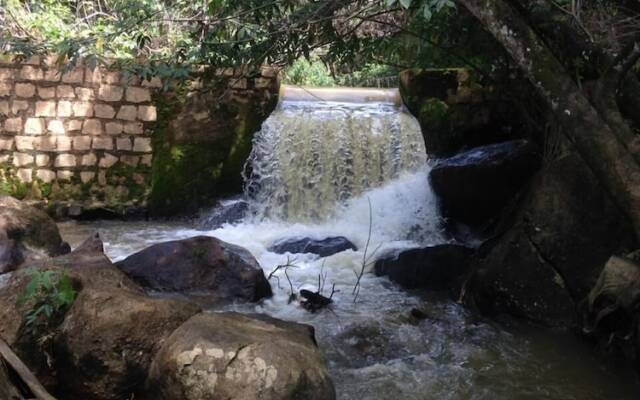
356,166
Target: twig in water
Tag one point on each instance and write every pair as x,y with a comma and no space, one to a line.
285,267
366,259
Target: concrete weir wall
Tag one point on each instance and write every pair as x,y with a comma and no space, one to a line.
82,136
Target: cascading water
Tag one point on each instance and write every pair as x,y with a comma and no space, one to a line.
323,146
317,166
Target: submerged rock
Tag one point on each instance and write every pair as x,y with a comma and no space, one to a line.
553,249
26,234
238,357
435,267
226,213
205,269
475,185
322,247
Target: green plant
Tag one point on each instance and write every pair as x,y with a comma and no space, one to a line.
309,73
47,297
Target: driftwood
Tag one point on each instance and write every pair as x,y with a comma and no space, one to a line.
23,372
315,301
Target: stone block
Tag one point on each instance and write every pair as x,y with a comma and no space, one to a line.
42,160
52,75
7,144
25,174
75,75
85,94
108,160
4,108
65,160
123,144
46,92
46,108
134,128
114,128
92,127
4,158
82,109
104,111
23,143
129,160
25,90
138,95
87,176
74,125
22,159
127,113
82,143
147,113
6,74
31,73
13,124
33,60
110,93
146,160
142,145
65,108
102,143
56,127
66,92
93,76
64,175
34,126
102,178
45,175
19,105
89,160
63,143
45,143
5,89
111,77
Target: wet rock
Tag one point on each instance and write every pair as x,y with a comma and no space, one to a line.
475,185
103,345
322,247
238,357
611,313
26,234
205,269
438,267
552,251
226,213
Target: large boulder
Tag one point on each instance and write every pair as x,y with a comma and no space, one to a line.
26,234
475,185
550,256
238,357
438,267
322,247
103,345
205,269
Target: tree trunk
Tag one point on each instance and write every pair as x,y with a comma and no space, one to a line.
594,139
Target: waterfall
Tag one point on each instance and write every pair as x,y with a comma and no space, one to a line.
322,147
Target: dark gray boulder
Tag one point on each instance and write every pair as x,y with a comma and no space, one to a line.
475,185
437,267
205,269
322,247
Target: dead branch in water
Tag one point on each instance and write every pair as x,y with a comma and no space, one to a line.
285,267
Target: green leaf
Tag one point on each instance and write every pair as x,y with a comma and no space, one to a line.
405,3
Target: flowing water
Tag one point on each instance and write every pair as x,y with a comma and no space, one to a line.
374,348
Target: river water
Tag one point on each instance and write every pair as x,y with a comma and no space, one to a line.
360,170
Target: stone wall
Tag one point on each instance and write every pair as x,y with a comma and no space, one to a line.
85,136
